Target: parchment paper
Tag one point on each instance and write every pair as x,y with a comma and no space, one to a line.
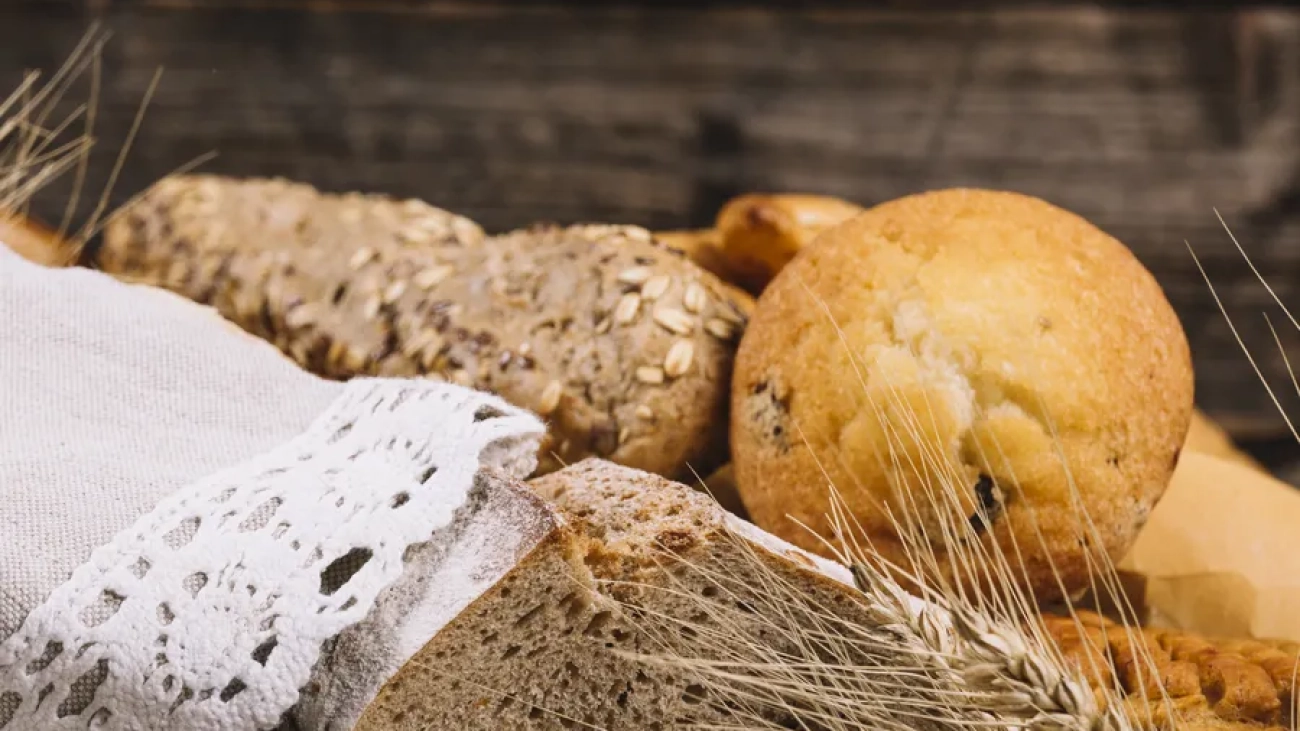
1207,437
1221,553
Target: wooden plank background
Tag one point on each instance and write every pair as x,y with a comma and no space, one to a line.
1144,121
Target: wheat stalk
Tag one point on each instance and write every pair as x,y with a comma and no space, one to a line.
1013,678
943,658
896,661
909,664
977,661
33,150
41,141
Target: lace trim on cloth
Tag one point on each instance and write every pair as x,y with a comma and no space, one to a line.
210,611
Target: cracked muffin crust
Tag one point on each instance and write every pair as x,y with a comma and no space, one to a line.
954,352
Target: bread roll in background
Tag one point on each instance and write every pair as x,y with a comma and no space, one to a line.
761,233
34,241
1213,683
704,248
946,356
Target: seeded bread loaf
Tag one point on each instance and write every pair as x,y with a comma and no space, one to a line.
563,640
624,345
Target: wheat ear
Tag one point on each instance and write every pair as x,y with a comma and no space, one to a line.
987,661
42,140
973,659
34,144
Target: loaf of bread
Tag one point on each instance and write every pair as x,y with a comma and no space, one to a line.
554,641
505,553
622,344
760,233
541,614
704,247
981,365
1207,683
1207,437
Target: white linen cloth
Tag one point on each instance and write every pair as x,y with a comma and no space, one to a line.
186,517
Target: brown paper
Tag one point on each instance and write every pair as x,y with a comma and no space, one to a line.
1207,437
1221,553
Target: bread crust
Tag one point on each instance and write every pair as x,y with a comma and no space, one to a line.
1175,679
403,702
999,337
761,233
34,241
622,344
562,631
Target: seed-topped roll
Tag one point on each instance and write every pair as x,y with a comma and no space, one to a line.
622,344
986,366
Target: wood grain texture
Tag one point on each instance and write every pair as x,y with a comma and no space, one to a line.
1144,122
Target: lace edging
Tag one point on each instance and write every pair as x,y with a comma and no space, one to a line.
210,611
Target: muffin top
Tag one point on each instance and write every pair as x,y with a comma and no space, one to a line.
963,365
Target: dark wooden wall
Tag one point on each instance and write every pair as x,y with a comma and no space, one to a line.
1144,121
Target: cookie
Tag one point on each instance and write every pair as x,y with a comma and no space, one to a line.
1201,680
976,364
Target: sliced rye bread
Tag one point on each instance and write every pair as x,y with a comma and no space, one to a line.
647,534
502,628
532,651
503,540
561,640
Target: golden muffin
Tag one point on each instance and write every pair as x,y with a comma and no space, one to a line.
983,367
